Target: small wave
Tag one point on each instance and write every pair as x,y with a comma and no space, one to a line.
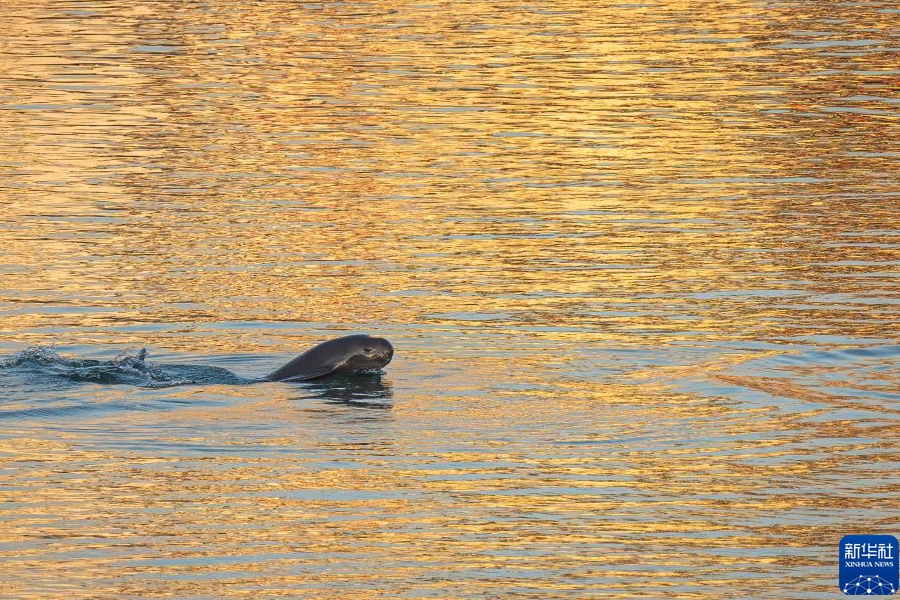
851,378
56,411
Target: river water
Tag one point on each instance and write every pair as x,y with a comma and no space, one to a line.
639,262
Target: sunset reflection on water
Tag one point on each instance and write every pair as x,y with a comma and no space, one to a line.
639,263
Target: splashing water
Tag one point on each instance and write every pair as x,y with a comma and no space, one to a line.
32,354
129,368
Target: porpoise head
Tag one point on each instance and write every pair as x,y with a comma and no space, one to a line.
348,354
366,353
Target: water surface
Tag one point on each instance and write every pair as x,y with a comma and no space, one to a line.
639,262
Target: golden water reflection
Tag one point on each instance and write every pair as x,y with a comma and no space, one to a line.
639,261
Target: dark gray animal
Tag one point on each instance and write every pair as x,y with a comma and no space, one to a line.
343,355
